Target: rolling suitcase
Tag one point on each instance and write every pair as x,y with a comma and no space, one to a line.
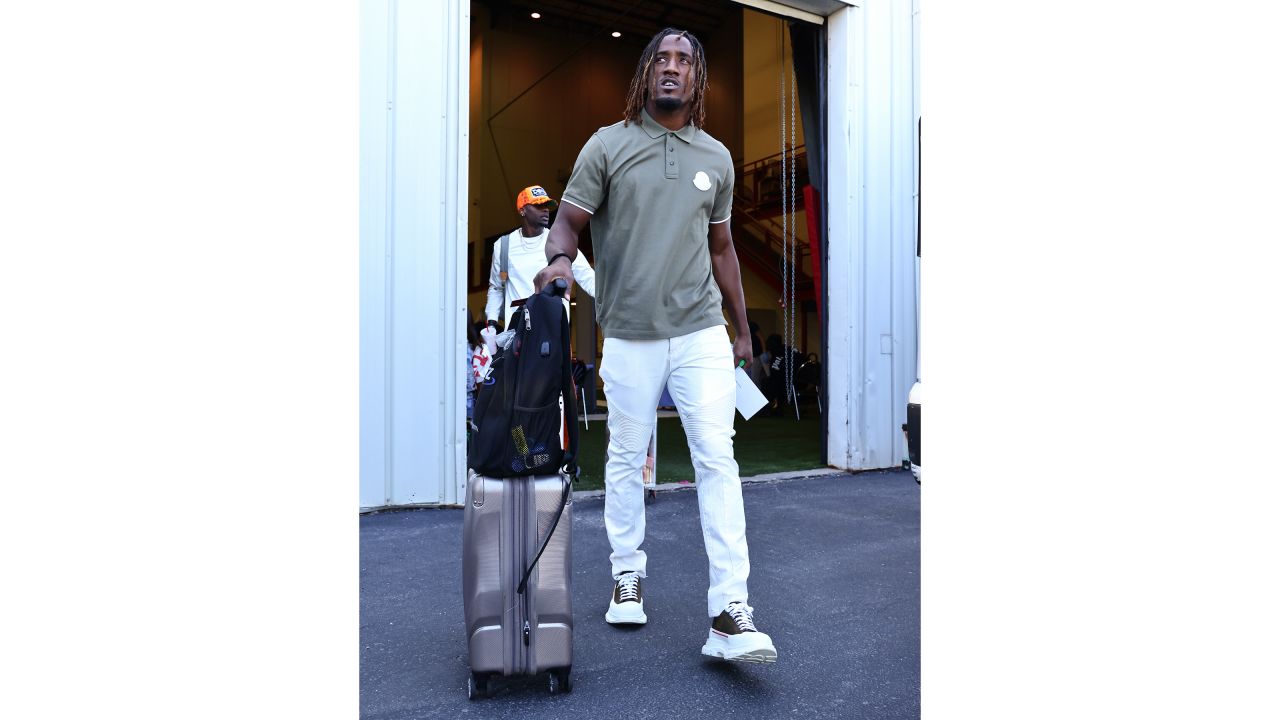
505,523
518,512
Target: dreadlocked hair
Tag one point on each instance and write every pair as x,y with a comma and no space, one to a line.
638,95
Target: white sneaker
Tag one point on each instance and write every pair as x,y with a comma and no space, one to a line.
734,636
626,607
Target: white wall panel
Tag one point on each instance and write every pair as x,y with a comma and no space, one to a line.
875,265
902,244
375,118
844,238
871,175
412,355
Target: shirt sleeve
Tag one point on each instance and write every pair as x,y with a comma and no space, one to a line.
583,275
723,208
494,305
589,182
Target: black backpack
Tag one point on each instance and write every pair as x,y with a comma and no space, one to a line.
518,408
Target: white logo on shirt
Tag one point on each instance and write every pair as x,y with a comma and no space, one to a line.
701,181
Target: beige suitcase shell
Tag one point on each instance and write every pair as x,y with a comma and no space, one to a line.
505,522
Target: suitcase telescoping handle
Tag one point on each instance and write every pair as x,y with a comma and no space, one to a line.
558,287
564,500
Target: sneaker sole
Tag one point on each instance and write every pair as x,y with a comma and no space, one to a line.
748,651
624,619
762,655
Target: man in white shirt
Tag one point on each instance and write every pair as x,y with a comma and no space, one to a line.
526,255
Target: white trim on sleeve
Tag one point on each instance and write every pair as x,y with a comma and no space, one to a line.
565,199
717,222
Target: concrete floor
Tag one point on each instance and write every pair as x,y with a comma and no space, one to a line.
835,581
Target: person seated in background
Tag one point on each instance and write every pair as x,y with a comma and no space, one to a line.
775,390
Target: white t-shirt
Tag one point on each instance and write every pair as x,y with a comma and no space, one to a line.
526,256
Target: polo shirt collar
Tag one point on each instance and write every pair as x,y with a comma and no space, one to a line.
656,131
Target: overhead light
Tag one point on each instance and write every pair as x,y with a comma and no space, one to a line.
615,33
535,16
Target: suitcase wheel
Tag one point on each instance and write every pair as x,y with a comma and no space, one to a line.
477,686
558,681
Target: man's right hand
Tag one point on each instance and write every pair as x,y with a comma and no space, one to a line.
561,268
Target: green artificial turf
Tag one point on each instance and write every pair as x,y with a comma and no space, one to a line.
761,445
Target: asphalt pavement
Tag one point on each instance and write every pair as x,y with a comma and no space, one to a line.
835,581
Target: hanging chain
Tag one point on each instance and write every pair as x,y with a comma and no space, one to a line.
787,183
793,249
784,366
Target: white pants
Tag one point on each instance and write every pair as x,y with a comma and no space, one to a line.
698,370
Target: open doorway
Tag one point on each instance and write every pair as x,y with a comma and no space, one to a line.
529,57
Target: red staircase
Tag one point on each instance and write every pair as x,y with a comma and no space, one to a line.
757,222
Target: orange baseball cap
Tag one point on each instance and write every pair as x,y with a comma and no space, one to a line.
533,195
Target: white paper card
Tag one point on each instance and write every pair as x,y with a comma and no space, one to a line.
750,399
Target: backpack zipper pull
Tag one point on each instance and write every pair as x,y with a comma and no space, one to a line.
528,321
526,632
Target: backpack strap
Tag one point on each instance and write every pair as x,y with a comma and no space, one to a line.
506,257
506,262
570,392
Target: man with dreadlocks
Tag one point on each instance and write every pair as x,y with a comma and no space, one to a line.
657,191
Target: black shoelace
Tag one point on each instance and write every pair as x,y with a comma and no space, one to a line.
741,614
629,587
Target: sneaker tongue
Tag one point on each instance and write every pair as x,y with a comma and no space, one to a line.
741,615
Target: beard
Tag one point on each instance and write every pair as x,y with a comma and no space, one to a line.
668,103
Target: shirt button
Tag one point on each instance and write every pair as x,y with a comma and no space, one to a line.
671,149
671,162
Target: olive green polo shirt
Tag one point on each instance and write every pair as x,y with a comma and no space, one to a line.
652,195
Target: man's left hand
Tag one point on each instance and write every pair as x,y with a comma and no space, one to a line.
742,350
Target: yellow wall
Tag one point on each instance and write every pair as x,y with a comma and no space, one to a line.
767,48
767,56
